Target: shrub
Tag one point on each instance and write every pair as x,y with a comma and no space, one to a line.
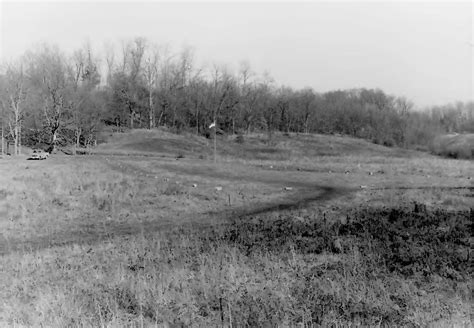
389,142
173,189
240,139
454,146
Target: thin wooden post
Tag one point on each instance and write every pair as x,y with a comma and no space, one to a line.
215,138
215,144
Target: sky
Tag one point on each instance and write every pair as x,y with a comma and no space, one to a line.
421,50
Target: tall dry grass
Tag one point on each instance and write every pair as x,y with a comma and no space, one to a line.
284,272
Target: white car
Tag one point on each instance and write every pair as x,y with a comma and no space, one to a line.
39,154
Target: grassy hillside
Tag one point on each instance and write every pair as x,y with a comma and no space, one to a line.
151,142
253,146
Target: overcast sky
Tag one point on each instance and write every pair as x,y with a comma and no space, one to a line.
422,50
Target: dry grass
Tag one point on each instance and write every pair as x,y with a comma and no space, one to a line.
109,241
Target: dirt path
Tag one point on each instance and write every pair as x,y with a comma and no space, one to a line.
305,193
102,231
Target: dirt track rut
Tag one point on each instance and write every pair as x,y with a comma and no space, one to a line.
306,192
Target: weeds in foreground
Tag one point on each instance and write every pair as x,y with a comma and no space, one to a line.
381,268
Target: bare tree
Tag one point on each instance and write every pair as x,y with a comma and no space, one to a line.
284,101
2,128
150,73
109,60
248,96
2,137
48,73
13,97
165,83
84,77
181,76
245,73
126,49
198,89
137,51
221,82
306,99
134,54
403,105
186,65
267,104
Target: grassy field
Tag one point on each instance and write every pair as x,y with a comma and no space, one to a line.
302,231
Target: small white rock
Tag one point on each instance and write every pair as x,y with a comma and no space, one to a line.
288,188
194,185
218,188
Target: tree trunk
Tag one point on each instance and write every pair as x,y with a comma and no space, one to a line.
161,116
306,123
17,128
19,139
16,139
174,115
78,136
151,111
3,142
197,120
54,139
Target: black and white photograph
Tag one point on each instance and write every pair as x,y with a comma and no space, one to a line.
230,164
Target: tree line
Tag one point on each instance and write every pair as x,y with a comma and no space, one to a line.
51,98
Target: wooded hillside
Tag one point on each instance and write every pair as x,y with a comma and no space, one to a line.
51,98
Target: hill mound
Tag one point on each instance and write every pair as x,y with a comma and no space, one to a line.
160,142
285,146
152,142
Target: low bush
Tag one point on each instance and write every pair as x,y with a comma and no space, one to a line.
173,189
459,146
240,139
413,242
